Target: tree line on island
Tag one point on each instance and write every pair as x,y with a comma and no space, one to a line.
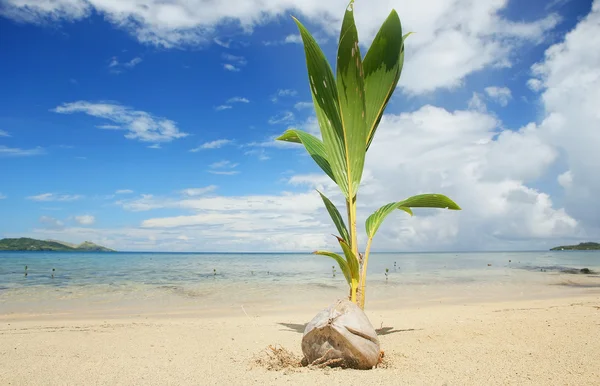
589,246
28,244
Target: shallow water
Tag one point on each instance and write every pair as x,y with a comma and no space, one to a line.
138,282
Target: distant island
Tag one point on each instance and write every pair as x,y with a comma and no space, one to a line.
27,244
579,247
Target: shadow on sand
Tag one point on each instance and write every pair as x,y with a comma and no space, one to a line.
299,328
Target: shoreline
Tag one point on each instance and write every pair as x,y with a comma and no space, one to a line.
266,299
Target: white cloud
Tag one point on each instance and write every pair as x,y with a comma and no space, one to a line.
230,101
140,125
283,93
47,197
566,179
303,105
155,146
454,38
192,192
114,62
294,38
124,191
534,84
235,62
224,172
223,164
18,152
2,196
476,103
239,60
284,117
238,100
231,67
223,168
85,219
222,43
117,67
569,79
133,62
501,95
260,153
462,154
51,222
217,144
4,133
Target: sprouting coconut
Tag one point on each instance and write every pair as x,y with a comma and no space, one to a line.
349,108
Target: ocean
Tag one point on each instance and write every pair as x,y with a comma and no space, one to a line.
213,282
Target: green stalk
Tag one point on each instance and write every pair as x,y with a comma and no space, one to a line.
363,274
351,207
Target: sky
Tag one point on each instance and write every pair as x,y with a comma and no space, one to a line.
145,125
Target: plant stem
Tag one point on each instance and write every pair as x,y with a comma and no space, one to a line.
363,274
351,207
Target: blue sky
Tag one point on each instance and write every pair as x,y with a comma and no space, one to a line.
152,128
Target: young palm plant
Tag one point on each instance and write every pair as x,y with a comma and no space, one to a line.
349,108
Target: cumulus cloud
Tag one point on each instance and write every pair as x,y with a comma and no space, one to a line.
4,133
85,219
454,39
48,197
139,125
501,95
461,153
569,80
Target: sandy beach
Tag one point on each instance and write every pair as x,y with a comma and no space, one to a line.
528,342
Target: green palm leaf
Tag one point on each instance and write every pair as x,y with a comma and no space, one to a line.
327,108
351,94
336,217
341,262
352,261
382,65
313,146
420,201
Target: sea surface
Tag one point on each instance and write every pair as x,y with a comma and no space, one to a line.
172,282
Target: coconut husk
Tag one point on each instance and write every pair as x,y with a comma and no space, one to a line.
341,335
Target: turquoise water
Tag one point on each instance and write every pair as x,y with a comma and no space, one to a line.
175,279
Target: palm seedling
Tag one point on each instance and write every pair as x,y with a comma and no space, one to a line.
349,108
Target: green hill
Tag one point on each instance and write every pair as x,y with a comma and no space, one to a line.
27,244
578,247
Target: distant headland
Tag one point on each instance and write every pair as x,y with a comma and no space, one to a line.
579,247
27,244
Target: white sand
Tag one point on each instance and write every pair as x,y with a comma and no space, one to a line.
528,342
